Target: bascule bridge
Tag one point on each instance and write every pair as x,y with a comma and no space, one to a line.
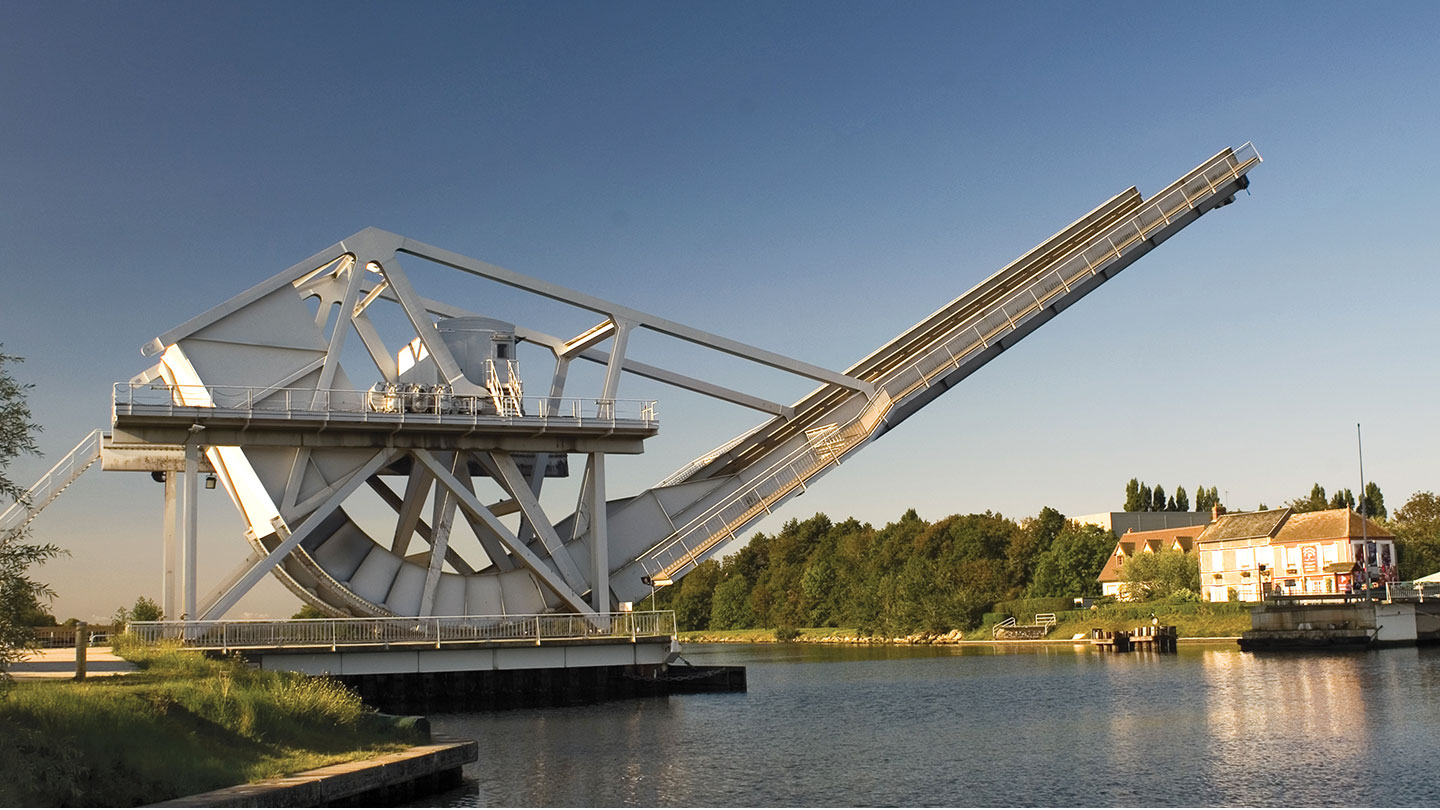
415,480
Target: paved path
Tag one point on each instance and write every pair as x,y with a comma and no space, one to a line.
59,663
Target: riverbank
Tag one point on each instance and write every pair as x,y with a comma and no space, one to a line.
183,724
831,635
1219,622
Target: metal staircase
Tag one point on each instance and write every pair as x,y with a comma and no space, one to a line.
51,484
779,458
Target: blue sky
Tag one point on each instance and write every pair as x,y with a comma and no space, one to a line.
812,178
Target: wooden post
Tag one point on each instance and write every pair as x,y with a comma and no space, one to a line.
82,641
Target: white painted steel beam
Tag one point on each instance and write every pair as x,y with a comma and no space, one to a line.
471,505
170,557
519,489
422,528
291,540
619,313
189,510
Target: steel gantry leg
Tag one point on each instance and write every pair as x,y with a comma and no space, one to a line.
599,539
191,520
169,599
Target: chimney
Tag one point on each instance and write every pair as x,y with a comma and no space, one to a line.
1215,512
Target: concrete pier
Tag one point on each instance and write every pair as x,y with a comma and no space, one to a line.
1300,623
409,774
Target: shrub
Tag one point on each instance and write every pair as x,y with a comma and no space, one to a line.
786,633
1024,610
992,619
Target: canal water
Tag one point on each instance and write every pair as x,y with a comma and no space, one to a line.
1012,725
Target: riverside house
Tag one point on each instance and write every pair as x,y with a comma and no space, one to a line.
1253,554
1180,539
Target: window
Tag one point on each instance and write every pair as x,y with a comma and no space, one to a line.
1245,558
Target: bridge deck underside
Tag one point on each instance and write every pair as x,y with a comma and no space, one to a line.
152,425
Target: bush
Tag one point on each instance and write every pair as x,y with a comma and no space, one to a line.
992,619
786,633
1024,610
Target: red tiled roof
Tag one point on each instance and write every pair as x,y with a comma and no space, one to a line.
1156,540
1328,524
1243,525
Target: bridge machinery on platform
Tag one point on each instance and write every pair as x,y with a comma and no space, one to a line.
438,426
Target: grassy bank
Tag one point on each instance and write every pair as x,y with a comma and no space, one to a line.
1193,620
184,724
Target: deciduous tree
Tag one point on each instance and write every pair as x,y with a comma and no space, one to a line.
20,594
730,605
1073,562
1314,502
1158,575
1417,536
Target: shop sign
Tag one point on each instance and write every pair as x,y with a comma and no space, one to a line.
1310,560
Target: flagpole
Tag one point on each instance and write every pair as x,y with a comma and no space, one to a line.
1364,524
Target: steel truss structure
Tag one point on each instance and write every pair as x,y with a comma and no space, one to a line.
254,389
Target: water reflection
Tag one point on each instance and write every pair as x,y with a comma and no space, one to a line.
984,725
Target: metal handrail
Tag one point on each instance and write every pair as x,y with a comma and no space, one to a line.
147,398
52,483
436,631
724,519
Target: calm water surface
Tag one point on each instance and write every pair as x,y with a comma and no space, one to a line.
984,726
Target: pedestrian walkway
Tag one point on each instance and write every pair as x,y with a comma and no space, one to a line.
59,663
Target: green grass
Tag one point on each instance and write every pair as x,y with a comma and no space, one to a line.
184,724
1191,619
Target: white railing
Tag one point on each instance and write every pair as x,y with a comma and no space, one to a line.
419,404
51,484
683,474
423,631
1405,591
722,521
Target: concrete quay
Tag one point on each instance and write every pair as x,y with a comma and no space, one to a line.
417,771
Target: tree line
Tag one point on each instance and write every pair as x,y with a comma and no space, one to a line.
1372,505
909,576
1140,497
914,575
